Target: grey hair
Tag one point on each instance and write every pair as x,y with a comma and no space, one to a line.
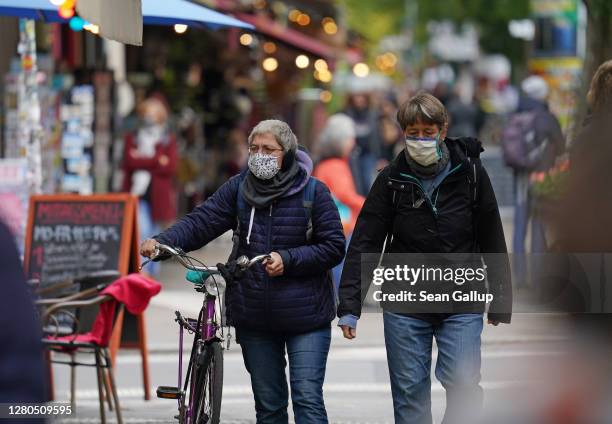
281,132
338,130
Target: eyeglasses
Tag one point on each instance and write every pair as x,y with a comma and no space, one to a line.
263,149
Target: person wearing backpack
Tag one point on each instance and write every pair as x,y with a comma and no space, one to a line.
435,197
288,303
531,141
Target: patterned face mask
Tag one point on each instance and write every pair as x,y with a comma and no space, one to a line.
263,166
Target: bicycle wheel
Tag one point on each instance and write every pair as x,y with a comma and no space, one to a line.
209,386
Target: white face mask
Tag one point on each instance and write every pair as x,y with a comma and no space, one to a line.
424,150
263,166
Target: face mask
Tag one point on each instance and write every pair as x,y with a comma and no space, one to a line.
263,166
425,151
148,120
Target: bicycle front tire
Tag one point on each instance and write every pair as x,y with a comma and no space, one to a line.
209,385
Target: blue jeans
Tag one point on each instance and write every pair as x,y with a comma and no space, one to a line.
523,213
409,344
363,166
264,358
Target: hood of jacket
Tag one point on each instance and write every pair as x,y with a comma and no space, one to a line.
305,163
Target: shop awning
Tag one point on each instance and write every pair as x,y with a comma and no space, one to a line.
30,9
289,36
273,29
170,12
154,12
120,19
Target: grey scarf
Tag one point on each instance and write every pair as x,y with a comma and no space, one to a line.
261,193
430,170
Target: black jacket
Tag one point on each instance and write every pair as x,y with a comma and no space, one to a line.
451,223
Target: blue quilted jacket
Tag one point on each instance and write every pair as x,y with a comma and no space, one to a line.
300,300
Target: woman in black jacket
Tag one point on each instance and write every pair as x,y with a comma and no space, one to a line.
434,198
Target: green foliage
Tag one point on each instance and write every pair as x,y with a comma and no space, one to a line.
376,19
490,16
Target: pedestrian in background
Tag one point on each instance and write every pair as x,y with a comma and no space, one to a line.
531,142
430,210
368,148
336,143
465,116
149,164
390,132
287,304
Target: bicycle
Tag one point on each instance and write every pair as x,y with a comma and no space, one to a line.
201,404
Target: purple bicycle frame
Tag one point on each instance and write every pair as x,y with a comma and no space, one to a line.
208,330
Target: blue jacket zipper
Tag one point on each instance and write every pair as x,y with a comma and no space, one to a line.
417,182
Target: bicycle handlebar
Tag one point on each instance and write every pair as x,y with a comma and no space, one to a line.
242,262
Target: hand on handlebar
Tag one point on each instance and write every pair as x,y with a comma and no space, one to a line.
274,265
148,248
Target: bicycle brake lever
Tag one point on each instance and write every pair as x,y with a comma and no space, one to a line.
243,262
142,265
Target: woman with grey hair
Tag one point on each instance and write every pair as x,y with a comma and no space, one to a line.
286,304
336,142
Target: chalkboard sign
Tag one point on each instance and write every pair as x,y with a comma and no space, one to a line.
69,236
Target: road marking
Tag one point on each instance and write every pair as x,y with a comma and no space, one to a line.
487,342
377,353
244,390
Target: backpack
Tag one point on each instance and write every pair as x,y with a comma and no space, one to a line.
242,206
522,144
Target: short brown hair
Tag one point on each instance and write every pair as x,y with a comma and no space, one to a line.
600,92
422,108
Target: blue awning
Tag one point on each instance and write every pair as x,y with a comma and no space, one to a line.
155,12
170,12
31,9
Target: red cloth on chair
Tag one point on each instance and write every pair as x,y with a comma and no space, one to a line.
134,291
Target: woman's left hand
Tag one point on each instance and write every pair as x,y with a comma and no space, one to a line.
274,265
